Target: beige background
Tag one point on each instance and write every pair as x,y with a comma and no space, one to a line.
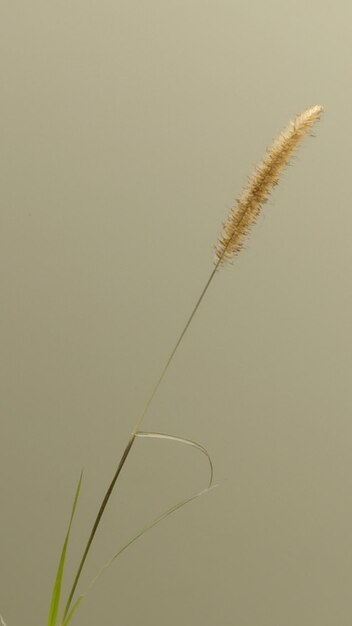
127,130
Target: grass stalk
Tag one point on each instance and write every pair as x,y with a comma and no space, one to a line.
242,216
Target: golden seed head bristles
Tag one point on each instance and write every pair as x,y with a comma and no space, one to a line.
264,178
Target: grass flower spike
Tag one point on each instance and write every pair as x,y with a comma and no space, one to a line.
264,178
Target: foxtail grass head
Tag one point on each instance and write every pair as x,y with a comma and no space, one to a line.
265,177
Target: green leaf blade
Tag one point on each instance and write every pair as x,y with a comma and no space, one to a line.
55,598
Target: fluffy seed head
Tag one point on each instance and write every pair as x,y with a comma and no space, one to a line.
264,178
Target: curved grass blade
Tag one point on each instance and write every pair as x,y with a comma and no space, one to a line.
189,442
55,598
145,529
156,435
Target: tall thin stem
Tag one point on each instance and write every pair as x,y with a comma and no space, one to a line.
168,362
132,439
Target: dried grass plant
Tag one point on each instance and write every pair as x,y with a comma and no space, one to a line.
230,242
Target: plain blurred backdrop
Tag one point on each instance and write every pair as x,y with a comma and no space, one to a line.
128,128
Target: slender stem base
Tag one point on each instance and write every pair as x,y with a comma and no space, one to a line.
97,521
